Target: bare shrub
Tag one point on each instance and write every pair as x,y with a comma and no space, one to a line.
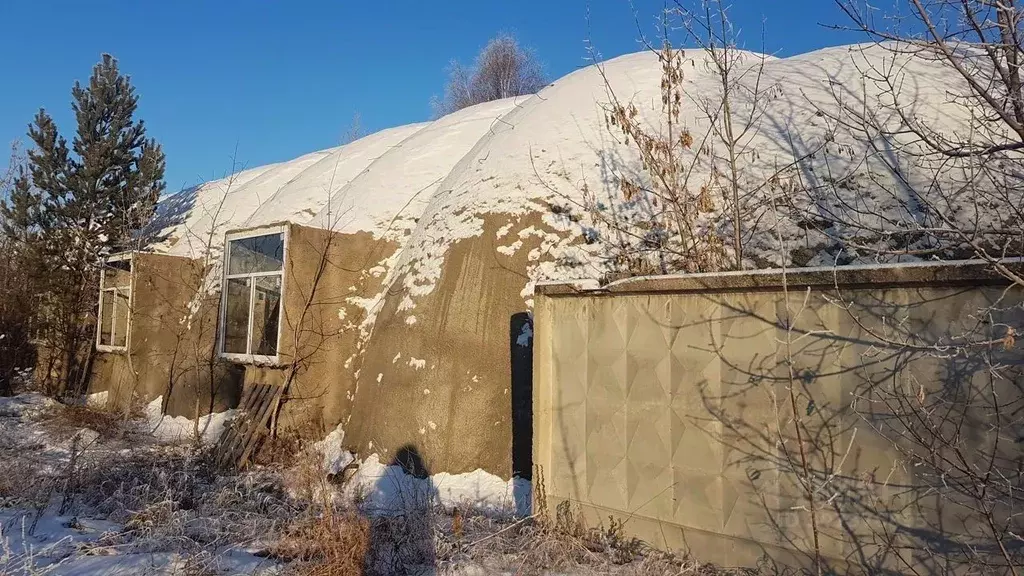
503,69
678,179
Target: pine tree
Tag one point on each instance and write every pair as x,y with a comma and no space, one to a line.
73,205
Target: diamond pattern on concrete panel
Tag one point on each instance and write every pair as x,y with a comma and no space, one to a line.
569,437
644,388
647,428
606,336
608,490
569,349
694,445
648,454
730,494
648,489
696,500
606,442
607,387
569,471
646,342
624,314
666,371
685,313
647,439
694,376
750,363
751,510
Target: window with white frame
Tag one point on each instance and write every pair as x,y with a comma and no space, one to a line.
251,301
115,303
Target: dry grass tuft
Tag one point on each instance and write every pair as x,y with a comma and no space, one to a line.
564,545
290,444
64,420
328,544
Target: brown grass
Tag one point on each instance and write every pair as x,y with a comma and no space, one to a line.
61,418
67,419
328,544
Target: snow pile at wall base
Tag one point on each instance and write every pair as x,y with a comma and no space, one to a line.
335,458
97,400
179,428
385,489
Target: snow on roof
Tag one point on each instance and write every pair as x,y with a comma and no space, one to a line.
436,181
302,197
361,186
389,196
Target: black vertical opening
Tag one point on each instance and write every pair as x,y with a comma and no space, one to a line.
521,350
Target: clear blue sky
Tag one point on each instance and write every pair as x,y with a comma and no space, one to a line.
281,78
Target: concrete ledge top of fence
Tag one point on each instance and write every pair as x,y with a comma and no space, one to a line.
951,272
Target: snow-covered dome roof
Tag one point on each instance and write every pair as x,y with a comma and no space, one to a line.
477,206
519,155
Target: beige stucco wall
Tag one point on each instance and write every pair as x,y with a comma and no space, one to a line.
169,344
442,380
174,327
324,270
665,403
455,409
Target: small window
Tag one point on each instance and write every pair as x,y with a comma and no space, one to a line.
115,304
251,304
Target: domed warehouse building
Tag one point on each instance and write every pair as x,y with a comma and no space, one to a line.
384,287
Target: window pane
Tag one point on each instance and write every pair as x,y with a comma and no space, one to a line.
121,312
106,316
117,273
236,315
266,315
256,254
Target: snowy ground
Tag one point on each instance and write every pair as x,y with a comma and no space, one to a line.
87,491
54,522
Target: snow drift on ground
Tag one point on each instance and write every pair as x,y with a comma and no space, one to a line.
181,429
59,547
42,541
385,489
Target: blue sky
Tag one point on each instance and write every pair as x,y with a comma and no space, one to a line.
281,78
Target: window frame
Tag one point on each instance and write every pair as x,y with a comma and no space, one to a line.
130,257
248,357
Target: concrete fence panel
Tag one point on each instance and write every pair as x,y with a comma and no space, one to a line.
713,413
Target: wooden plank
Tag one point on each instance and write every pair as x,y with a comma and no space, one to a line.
257,425
227,445
244,424
261,423
245,427
243,407
241,438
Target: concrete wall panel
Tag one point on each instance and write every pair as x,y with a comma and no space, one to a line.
669,407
